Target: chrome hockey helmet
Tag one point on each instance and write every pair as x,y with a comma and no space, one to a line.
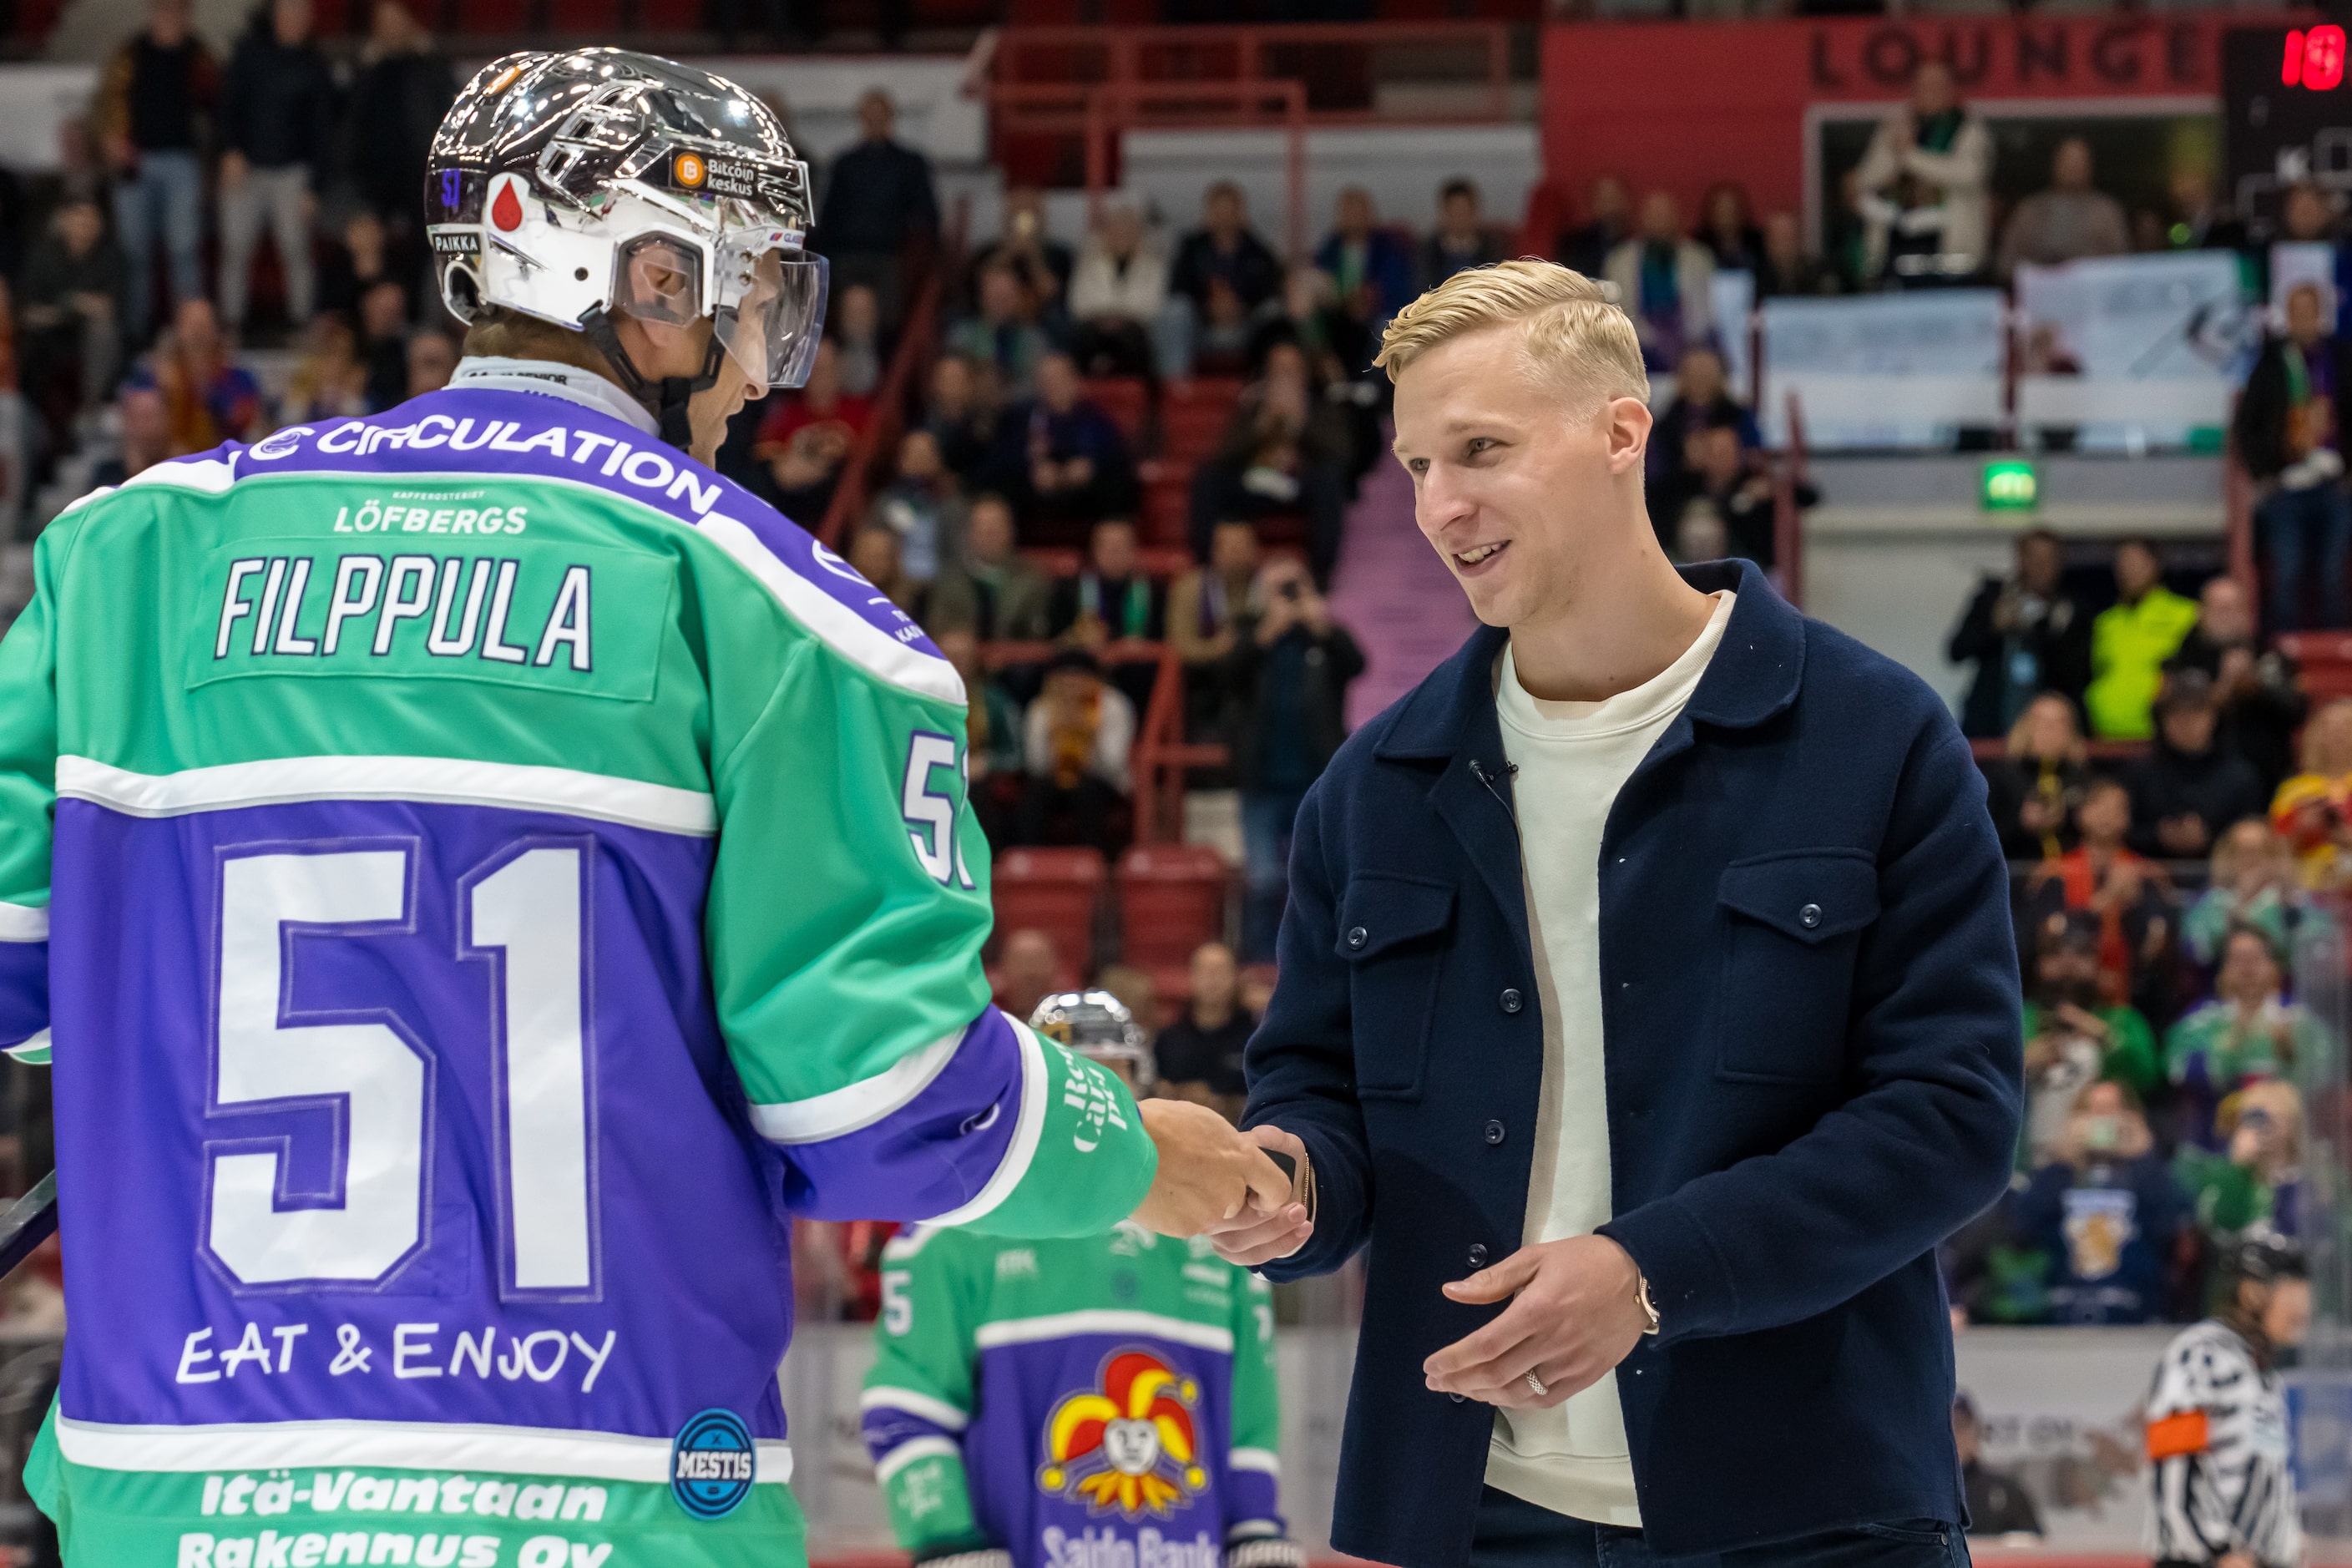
572,186
1096,1025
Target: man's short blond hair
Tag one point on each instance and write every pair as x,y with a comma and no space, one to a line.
1571,334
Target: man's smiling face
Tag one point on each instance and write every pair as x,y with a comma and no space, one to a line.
1504,471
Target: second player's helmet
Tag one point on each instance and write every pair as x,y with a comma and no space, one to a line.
572,185
1096,1025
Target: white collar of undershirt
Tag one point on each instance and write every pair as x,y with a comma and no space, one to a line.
1662,694
551,378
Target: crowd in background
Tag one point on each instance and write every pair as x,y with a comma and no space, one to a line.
2163,889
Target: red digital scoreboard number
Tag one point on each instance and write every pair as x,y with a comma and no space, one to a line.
2314,59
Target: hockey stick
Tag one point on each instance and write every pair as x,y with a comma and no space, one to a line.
30,1221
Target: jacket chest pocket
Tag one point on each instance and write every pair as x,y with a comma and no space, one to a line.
1796,922
1391,933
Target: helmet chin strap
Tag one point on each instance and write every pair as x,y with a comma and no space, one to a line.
665,397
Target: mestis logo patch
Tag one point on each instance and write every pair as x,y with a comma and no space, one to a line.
711,1464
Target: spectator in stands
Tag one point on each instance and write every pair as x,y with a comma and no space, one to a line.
2108,1212
1999,1506
1028,971
2257,1178
1204,602
992,729
1226,249
1665,283
2248,1031
1120,300
2034,790
208,398
329,381
991,590
2187,790
2310,809
1003,332
1699,534
1787,269
1728,228
1042,262
431,360
2196,221
2251,882
1062,458
1289,674
154,104
959,418
1461,239
923,508
2026,636
858,337
2075,1035
2289,439
2126,895
878,202
875,556
2130,641
362,261
277,118
807,435
383,343
1922,187
1112,598
1702,400
2307,215
72,312
1077,735
1371,269
1285,453
1725,475
1608,224
2070,220
1200,1054
405,87
2262,704
146,435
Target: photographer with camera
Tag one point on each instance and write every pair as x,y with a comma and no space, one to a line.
1289,674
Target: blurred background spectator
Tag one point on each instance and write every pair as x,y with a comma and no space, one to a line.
1227,272
857,340
806,436
2289,441
70,312
2188,788
2262,701
960,414
1061,459
989,589
2105,1210
278,122
1728,228
1788,269
1666,283
2247,1032
1608,224
1200,1054
2310,808
1001,332
155,110
878,200
2131,641
1041,262
1461,239
1998,1505
924,507
1079,730
2068,221
2025,635
2076,1034
1119,300
1922,188
1284,453
1371,269
2035,787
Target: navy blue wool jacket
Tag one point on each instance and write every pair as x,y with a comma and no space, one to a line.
1810,1015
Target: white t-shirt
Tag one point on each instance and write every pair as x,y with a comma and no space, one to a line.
1572,759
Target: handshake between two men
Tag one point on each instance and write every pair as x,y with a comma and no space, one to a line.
1216,1181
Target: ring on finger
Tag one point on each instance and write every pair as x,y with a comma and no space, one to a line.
1536,1383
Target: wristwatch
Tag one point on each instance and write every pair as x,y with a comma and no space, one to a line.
1642,1294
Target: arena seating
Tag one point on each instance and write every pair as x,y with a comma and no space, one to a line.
1056,891
1172,899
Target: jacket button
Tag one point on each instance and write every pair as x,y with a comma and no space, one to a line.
1477,1255
1512,1000
1358,936
1494,1133
1810,916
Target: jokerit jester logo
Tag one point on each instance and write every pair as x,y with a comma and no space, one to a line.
1130,1444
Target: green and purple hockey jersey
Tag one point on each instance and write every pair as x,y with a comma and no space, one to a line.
477,872
1108,1403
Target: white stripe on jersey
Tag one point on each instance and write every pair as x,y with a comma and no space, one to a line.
936,1411
841,1112
2238,1494
908,1452
1025,1134
1103,1321
1264,1461
393,1445
24,922
632,802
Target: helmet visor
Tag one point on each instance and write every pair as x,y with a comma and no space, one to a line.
771,309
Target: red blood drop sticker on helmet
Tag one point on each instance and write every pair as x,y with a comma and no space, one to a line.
507,211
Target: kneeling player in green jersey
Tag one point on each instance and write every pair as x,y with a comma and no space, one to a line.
1106,1403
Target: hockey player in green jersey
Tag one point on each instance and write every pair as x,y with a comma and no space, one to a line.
477,873
1106,1402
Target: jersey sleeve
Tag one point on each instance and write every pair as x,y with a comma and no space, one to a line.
918,1398
848,904
1254,1463
28,772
